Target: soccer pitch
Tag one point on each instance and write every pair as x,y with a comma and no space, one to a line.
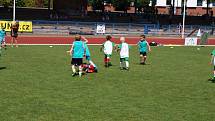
37,85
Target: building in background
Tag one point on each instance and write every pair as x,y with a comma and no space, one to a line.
193,8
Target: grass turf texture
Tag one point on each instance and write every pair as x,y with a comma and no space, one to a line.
36,85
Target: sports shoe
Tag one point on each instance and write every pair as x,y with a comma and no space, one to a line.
213,80
106,65
73,74
109,64
95,70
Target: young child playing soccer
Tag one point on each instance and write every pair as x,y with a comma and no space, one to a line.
124,54
88,52
2,36
144,48
88,68
77,52
108,46
213,63
2,40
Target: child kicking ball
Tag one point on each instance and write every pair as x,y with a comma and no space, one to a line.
124,54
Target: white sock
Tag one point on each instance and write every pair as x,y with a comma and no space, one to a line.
91,63
127,64
73,69
80,70
121,64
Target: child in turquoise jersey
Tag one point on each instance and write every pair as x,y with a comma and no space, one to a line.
144,48
2,36
77,53
2,40
87,56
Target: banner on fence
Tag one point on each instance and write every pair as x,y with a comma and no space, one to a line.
100,29
191,41
24,26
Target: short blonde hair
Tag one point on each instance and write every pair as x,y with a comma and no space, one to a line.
122,39
13,22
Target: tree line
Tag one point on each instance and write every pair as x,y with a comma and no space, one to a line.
25,3
97,4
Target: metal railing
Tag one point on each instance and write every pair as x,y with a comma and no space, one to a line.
89,28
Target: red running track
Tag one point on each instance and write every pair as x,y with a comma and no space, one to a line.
97,40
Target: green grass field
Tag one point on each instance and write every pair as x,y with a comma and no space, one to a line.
36,85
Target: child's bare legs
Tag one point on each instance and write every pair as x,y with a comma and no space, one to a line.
73,70
121,65
124,64
80,71
127,64
16,42
91,63
12,40
143,59
106,61
4,44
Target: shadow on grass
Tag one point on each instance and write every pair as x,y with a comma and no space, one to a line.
2,68
146,64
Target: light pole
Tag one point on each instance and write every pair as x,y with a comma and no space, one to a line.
184,14
207,12
14,10
173,7
177,6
